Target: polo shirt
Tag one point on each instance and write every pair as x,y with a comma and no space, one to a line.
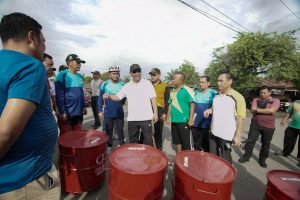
139,97
69,93
24,77
226,109
160,90
265,120
294,110
112,108
203,101
180,104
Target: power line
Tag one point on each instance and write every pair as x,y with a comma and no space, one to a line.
207,15
224,15
289,9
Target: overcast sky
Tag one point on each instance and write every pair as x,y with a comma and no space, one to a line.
152,33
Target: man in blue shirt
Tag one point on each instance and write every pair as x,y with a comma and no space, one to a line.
70,96
112,110
203,100
28,130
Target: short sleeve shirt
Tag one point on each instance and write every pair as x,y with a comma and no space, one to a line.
226,109
139,97
295,112
180,104
31,155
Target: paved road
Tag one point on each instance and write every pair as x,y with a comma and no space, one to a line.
251,178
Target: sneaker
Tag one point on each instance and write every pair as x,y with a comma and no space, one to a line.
262,164
243,160
281,153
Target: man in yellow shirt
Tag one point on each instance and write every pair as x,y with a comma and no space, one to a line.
163,94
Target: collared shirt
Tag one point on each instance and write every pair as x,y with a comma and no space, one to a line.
139,97
95,86
294,110
180,104
163,95
226,109
265,120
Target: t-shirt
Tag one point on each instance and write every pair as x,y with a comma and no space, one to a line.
226,109
52,86
69,93
139,97
265,120
294,110
112,108
203,101
163,95
180,104
31,155
95,85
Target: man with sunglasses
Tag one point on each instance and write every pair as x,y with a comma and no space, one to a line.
163,94
70,95
142,108
112,110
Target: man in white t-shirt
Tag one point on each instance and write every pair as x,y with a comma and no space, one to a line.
142,108
95,86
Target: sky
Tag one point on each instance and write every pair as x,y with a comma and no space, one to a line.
151,33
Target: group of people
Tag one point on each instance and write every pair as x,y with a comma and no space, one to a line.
205,119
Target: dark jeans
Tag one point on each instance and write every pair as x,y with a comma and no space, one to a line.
200,138
220,147
158,129
94,102
134,129
266,137
109,127
290,138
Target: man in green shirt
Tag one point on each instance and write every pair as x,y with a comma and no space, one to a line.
292,131
181,112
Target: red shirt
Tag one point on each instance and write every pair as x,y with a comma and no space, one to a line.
265,120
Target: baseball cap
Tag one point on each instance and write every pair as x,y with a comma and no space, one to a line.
155,71
62,67
134,67
95,73
74,57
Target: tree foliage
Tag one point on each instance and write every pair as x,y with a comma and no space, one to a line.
189,69
257,55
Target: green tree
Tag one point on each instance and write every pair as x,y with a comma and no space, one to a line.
257,55
87,79
104,76
192,77
126,78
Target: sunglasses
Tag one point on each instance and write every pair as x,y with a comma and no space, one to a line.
136,71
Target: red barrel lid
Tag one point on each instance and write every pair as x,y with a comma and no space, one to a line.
138,159
287,182
205,167
82,139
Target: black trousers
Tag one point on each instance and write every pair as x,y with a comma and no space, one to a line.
137,127
158,129
118,122
94,102
220,147
266,137
289,142
200,138
181,135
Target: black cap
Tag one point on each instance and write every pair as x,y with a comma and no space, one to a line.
53,68
95,73
74,57
134,67
155,71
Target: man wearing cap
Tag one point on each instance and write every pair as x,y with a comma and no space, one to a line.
112,110
162,97
62,68
70,95
95,85
142,108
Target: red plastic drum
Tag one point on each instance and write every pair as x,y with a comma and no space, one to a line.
82,156
202,176
137,172
282,185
